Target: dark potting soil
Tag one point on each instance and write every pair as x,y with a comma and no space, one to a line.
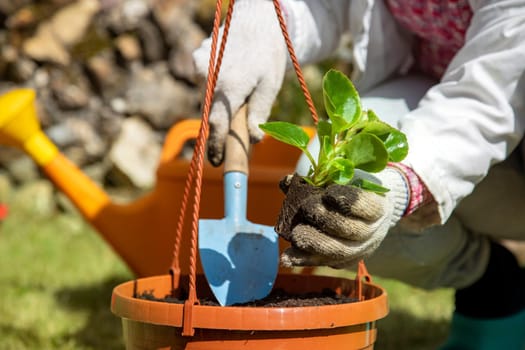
277,298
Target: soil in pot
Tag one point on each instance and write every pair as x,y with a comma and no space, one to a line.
277,298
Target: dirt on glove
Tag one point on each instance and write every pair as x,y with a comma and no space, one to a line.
297,190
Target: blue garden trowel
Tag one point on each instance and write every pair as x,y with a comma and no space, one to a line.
240,259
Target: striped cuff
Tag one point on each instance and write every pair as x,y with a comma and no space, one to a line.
419,195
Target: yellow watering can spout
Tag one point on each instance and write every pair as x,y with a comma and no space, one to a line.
19,126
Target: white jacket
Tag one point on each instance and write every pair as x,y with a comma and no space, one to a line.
469,121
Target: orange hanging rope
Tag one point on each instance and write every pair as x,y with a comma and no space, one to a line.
194,177
295,61
197,161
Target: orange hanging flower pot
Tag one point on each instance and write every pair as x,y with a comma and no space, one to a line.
149,324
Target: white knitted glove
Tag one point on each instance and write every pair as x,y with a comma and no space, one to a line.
339,225
252,71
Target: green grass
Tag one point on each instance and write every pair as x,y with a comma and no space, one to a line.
57,274
56,278
417,320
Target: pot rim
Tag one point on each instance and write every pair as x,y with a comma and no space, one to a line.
125,305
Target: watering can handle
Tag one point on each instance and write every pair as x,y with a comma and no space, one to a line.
237,146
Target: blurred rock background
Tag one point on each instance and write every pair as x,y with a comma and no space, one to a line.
111,77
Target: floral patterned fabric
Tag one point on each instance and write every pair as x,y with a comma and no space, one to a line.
440,27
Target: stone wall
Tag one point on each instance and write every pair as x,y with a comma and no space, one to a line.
111,77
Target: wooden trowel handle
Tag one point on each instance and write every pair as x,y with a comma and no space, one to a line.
237,145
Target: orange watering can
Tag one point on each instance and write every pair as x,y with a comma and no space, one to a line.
142,232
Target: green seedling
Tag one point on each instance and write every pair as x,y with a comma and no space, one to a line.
351,139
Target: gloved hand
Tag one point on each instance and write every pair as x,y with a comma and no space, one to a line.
339,225
252,71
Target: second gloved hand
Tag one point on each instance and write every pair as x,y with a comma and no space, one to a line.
252,71
339,225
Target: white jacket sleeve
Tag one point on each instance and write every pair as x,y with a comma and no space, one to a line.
316,26
475,116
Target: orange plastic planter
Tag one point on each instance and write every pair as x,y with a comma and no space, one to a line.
158,325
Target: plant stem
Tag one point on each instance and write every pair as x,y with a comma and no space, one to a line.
311,158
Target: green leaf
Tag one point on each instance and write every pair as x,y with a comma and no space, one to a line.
339,124
378,128
341,171
395,141
396,145
287,132
341,100
325,149
370,186
372,116
327,145
324,128
367,152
